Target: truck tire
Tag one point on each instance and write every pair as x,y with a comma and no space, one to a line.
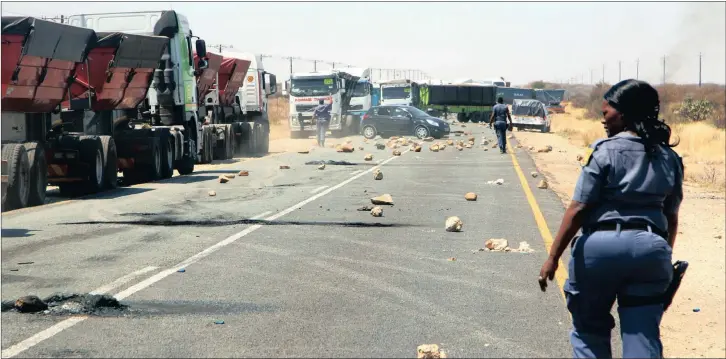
154,168
38,173
230,142
220,149
167,157
185,165
475,117
265,142
91,153
18,186
110,165
545,129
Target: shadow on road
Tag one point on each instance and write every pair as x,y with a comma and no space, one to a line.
17,232
186,179
217,171
220,223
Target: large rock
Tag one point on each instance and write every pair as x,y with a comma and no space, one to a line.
429,351
243,173
417,149
229,175
368,157
468,145
377,175
545,149
322,166
450,142
212,193
496,244
396,152
453,224
384,199
223,179
542,184
30,304
284,167
361,148
380,146
345,148
429,139
472,139
377,211
459,148
534,174
471,196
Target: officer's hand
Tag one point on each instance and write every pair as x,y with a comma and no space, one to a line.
547,272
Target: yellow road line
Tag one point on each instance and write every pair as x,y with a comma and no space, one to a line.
561,272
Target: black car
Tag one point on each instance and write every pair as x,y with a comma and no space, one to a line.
399,120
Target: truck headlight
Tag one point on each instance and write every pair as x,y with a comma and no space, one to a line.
432,123
293,120
335,119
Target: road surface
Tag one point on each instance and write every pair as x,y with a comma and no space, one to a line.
292,268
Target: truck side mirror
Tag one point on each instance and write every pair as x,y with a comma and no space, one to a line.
273,84
201,48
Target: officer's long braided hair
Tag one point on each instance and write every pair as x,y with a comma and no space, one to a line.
638,103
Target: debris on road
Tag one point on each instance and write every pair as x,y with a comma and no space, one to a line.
384,199
368,157
524,248
212,193
531,148
365,209
59,304
29,304
22,263
494,145
429,139
542,184
223,179
182,270
499,181
330,162
377,211
459,148
471,196
496,244
229,175
472,139
452,259
450,142
284,167
468,145
453,224
485,143
534,174
321,167
243,173
380,146
545,149
219,322
303,152
434,148
429,351
396,153
361,148
377,175
417,148
345,148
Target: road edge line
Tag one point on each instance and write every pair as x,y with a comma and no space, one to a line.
560,273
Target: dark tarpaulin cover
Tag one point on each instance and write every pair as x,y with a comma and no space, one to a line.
464,95
167,25
509,94
550,97
528,108
51,40
134,51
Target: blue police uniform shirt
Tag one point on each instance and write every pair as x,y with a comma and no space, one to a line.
626,184
500,112
322,112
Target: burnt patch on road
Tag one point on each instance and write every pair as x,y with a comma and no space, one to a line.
221,223
331,163
67,304
163,308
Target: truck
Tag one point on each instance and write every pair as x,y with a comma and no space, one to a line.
401,92
530,114
552,98
470,102
509,94
363,98
334,87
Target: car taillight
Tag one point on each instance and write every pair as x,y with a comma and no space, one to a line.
365,117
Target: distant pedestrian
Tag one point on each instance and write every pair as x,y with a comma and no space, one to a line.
626,202
322,118
500,115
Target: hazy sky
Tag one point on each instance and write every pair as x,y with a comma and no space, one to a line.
519,41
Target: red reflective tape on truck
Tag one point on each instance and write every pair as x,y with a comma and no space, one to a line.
125,163
57,170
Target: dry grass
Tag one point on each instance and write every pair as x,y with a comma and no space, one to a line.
702,146
278,110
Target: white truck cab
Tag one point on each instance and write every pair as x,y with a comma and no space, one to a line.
307,89
398,92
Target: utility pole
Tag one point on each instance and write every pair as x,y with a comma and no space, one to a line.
620,70
603,73
664,70
291,58
315,65
220,47
700,58
637,69
590,76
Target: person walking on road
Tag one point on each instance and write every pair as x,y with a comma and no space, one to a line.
499,117
626,202
322,118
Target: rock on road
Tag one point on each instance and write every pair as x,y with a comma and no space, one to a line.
289,265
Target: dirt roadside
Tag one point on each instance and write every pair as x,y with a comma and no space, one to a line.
685,332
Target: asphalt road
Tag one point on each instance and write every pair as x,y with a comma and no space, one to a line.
313,278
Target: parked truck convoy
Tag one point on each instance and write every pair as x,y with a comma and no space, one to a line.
334,87
82,101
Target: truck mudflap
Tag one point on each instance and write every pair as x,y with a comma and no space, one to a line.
133,147
117,73
231,78
207,77
39,57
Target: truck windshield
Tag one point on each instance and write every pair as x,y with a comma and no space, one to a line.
390,93
361,89
313,87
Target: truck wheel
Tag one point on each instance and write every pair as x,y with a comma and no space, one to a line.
154,169
475,117
38,173
167,158
185,165
110,165
18,189
230,142
92,155
265,145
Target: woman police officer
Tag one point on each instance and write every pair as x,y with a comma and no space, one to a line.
626,202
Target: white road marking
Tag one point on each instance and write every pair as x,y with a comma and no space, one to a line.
57,328
261,215
123,280
318,189
356,172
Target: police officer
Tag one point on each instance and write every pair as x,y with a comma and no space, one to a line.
322,116
626,202
499,117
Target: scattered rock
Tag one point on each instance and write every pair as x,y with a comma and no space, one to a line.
361,148
486,149
459,148
229,175
377,211
519,145
542,184
223,179
498,244
365,209
321,167
499,181
485,143
303,152
453,224
368,157
395,146
457,134
396,153
531,148
30,304
524,248
471,196
450,142
429,351
284,167
212,193
472,139
377,175
429,139
345,148
434,148
534,174
384,199
380,146
494,145
545,149
463,125
219,322
468,145
580,158
452,259
417,148
243,173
